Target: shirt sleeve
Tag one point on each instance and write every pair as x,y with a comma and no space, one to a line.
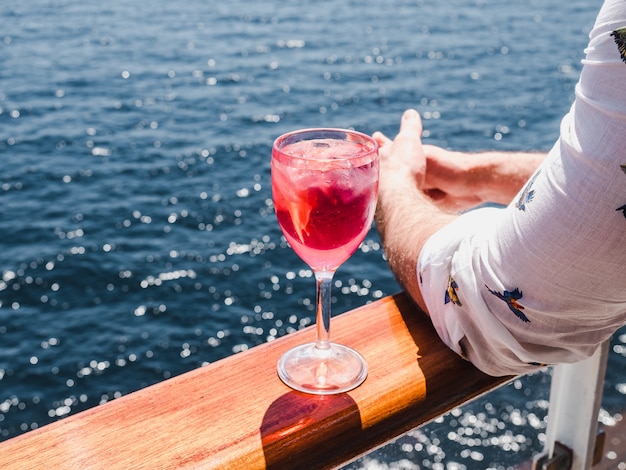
543,281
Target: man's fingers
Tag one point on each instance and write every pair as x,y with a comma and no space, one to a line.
409,137
381,139
411,121
410,129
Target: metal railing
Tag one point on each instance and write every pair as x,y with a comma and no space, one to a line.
572,439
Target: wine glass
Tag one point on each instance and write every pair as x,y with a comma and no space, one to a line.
324,187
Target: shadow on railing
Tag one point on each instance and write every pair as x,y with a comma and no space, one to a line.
237,414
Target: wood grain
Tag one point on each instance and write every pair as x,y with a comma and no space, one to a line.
237,414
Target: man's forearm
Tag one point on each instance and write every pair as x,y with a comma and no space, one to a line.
464,180
510,171
405,219
405,216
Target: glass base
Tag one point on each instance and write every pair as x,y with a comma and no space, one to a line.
309,369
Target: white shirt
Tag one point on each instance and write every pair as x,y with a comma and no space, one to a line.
543,281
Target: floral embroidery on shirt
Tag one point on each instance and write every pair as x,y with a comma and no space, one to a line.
511,298
620,39
451,295
622,208
527,194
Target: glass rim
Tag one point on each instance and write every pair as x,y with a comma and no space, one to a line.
313,131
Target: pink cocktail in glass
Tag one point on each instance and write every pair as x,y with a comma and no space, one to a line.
324,186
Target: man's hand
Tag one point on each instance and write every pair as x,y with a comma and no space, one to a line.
405,216
460,181
404,156
454,180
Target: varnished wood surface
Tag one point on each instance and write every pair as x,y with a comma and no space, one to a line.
237,414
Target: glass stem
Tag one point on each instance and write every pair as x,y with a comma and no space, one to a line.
324,280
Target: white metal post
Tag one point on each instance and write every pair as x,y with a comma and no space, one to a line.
575,399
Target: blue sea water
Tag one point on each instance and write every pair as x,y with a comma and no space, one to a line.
138,239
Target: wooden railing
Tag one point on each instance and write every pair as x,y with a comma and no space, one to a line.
236,413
